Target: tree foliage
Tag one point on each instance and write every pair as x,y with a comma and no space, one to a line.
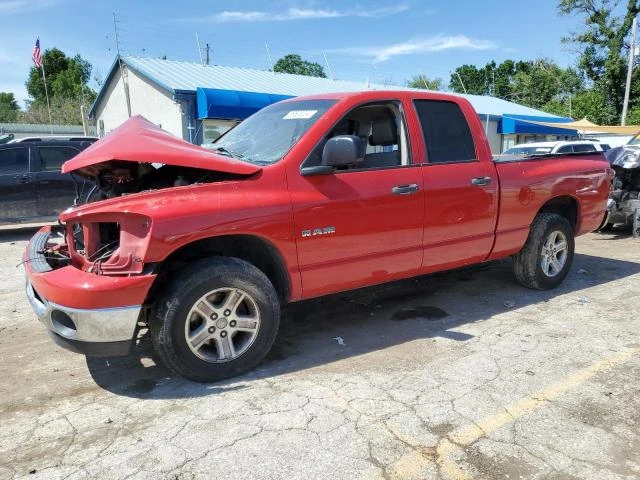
604,49
294,63
67,79
420,81
539,83
8,107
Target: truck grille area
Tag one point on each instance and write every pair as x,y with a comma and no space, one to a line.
96,242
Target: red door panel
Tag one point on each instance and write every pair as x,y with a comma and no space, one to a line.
459,215
357,232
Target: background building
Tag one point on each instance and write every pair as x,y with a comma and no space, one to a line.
200,102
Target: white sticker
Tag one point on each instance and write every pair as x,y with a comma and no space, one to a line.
299,114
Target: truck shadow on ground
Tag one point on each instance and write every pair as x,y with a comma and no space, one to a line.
368,320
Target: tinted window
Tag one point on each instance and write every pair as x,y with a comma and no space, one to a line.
565,149
14,160
53,157
584,148
446,131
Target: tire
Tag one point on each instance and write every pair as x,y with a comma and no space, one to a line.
196,334
606,228
636,223
533,266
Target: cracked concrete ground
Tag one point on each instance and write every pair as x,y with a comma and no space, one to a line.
456,375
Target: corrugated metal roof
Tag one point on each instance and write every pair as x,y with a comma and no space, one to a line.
176,76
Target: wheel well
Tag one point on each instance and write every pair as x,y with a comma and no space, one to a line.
254,250
565,206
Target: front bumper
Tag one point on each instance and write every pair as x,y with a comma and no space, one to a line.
92,314
93,332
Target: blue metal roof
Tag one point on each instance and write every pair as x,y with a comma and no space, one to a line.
186,77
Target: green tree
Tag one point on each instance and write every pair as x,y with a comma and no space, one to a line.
420,81
8,107
604,52
469,79
294,63
67,79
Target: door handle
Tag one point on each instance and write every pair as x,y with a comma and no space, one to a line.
405,189
481,181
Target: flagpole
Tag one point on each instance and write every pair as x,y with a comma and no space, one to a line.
46,92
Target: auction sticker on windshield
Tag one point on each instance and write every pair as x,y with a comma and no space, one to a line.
299,114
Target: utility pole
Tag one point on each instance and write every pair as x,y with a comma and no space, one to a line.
266,45
632,54
328,66
207,48
461,82
123,76
199,49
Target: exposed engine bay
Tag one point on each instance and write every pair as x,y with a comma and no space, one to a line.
116,178
624,200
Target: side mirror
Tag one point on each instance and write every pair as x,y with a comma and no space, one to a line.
339,151
342,150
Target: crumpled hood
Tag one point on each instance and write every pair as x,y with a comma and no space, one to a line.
626,156
139,140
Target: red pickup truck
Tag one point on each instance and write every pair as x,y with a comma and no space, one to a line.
307,197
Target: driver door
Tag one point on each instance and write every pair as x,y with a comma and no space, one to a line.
361,225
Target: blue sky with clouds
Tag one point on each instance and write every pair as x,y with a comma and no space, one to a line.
383,41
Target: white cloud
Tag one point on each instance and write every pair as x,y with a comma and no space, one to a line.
419,45
293,13
20,6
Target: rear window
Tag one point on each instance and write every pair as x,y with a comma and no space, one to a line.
446,131
584,148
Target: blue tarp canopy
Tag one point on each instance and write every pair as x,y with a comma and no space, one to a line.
514,124
232,104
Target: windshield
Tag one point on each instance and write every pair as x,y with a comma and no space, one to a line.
527,151
267,135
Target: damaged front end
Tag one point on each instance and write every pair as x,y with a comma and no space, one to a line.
88,278
624,200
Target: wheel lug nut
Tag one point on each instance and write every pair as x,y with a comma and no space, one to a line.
223,334
227,313
212,329
232,323
213,316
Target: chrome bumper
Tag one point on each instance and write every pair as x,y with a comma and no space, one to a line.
101,325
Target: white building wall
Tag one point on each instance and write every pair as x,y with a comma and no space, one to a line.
146,100
491,129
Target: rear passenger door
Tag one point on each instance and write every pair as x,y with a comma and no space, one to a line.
55,191
461,192
17,191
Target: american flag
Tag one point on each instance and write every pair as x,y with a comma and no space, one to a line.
36,56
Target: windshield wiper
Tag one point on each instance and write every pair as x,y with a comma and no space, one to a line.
223,150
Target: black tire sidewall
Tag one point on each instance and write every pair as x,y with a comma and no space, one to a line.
555,223
187,289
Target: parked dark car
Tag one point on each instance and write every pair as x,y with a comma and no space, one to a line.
32,188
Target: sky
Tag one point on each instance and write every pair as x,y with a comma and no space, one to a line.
385,42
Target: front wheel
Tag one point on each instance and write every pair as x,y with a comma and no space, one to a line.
546,257
217,319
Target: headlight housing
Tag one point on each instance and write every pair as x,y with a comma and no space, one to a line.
108,243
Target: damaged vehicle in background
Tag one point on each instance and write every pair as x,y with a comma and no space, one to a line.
624,201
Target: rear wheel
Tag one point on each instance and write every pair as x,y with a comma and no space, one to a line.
546,257
216,320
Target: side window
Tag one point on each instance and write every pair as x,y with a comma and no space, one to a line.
565,149
53,157
382,131
446,131
584,148
14,160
